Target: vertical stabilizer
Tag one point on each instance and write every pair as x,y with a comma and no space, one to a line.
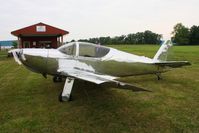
162,53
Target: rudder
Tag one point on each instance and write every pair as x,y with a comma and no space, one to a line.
162,53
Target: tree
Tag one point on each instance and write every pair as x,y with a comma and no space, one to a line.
139,38
15,44
194,35
147,37
130,39
151,38
105,40
180,34
72,40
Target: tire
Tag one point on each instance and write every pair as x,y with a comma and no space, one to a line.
60,98
57,79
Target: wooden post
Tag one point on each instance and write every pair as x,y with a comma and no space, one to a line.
19,43
62,41
58,41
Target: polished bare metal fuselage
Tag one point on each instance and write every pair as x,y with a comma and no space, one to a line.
49,61
93,63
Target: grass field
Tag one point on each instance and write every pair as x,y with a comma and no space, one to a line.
29,103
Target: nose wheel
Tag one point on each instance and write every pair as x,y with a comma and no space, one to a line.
65,95
64,98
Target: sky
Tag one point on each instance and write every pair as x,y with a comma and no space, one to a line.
94,18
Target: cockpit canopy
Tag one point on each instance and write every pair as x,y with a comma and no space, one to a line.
69,49
84,49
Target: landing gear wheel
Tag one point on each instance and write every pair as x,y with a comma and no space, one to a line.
65,95
64,98
57,79
159,76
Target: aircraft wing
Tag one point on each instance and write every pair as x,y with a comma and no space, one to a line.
87,76
99,79
173,64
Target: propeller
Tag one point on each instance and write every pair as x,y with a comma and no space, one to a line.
17,53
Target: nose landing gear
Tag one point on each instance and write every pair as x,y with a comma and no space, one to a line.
65,95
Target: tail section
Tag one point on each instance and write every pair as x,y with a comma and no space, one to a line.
162,53
160,58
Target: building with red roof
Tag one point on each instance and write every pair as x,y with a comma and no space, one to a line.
39,36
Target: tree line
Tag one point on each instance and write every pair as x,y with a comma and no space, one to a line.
183,35
146,37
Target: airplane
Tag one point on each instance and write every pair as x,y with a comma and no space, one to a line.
93,63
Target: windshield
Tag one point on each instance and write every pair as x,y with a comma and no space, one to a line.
69,49
85,49
92,50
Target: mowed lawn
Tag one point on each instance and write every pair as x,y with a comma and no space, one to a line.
29,102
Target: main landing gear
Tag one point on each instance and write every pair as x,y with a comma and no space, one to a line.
57,79
65,95
159,76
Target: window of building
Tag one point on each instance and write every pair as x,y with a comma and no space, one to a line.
26,44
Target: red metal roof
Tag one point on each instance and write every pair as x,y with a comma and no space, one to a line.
39,29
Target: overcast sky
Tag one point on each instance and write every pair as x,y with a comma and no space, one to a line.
94,18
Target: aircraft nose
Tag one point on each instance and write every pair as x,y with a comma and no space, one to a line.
35,59
21,55
16,54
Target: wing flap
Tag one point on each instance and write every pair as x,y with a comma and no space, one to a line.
101,79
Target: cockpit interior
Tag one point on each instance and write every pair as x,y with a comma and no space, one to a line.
84,49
